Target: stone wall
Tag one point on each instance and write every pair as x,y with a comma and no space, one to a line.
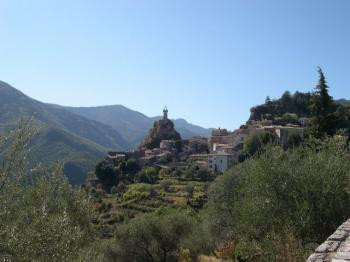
336,248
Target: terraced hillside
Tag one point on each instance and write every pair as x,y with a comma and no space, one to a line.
137,198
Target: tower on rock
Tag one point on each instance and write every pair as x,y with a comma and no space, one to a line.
165,113
163,129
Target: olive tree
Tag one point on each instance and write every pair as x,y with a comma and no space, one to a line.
41,216
152,237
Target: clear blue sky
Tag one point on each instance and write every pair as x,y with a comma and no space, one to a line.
208,61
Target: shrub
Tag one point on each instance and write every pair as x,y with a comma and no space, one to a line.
165,184
114,190
147,175
131,166
303,192
152,237
106,173
294,140
138,192
256,141
204,175
121,188
42,218
189,188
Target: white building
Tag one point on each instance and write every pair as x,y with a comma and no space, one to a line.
220,161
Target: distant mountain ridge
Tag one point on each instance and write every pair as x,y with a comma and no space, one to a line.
63,136
78,137
133,125
343,102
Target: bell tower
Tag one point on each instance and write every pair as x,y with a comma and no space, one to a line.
165,113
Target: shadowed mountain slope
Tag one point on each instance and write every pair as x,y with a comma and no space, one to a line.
63,136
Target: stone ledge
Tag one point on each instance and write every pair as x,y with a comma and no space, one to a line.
336,248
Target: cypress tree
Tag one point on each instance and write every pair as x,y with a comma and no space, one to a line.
322,108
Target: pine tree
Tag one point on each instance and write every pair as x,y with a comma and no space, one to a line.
322,108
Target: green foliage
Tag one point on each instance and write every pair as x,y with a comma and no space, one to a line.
189,188
195,172
131,166
152,237
147,175
138,192
322,109
287,118
204,175
121,188
165,184
42,217
14,151
299,194
256,141
297,104
107,173
294,140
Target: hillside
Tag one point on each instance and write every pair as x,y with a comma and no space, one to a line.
297,104
343,102
289,108
79,137
133,125
14,104
63,136
78,155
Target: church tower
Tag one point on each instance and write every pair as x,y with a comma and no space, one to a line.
165,113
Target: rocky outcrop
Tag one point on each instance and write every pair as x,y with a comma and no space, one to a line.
336,248
162,130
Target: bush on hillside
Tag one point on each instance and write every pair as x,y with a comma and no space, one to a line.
147,175
107,173
294,140
152,237
165,184
42,218
256,141
189,188
139,192
304,192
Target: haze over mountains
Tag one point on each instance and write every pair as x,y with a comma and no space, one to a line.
79,137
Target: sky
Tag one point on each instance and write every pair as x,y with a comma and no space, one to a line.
207,61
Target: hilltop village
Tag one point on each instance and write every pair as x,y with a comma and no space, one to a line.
166,171
276,187
163,147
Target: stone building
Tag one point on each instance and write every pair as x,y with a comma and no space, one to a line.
220,161
217,161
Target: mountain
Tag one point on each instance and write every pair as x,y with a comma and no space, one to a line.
78,155
133,125
79,137
14,104
76,141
